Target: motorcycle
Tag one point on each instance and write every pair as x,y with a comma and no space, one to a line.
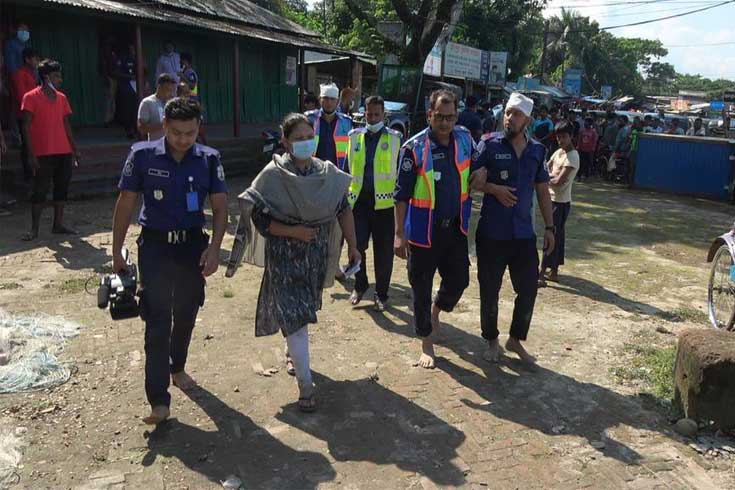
271,143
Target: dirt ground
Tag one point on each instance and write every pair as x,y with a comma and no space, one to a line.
635,273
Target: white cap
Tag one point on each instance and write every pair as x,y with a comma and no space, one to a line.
329,90
520,102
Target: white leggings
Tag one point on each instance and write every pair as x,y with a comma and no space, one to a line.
298,348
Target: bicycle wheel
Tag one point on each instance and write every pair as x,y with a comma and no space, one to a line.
721,291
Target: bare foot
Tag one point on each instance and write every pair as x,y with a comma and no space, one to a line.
183,381
492,354
356,297
426,360
514,345
159,413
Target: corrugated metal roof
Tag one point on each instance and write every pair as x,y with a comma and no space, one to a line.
241,11
160,13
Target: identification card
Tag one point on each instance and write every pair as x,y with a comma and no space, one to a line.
437,176
192,201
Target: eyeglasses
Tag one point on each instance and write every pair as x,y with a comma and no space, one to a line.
444,117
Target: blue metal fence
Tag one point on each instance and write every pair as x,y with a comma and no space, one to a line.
686,165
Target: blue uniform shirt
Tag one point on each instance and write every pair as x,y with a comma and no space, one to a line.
164,183
447,187
504,168
327,149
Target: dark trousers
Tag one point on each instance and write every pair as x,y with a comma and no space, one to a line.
448,254
172,290
586,160
556,258
56,169
521,257
27,170
379,225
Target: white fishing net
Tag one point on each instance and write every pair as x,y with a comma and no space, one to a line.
29,346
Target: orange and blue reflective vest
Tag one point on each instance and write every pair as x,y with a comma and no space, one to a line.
420,215
341,133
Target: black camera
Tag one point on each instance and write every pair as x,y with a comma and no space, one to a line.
118,291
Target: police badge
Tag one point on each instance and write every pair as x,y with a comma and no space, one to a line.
158,194
384,146
504,174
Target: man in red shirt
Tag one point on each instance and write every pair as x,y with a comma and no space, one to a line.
52,151
24,79
587,146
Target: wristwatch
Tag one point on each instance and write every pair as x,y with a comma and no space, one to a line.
550,228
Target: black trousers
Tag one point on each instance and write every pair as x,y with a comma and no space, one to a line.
556,258
56,169
27,170
493,257
586,160
449,255
379,225
172,290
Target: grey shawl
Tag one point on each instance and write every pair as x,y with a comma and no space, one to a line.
290,198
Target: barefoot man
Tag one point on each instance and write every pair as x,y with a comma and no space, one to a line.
432,213
508,169
175,176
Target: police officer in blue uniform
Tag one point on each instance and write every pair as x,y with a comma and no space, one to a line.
432,214
508,169
175,175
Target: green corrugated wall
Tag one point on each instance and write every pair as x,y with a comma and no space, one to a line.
73,40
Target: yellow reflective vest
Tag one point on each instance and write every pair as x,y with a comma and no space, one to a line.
385,166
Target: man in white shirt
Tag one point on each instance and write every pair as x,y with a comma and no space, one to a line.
563,167
697,129
169,62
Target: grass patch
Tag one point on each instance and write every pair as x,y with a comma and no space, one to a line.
73,286
228,294
9,286
685,314
651,367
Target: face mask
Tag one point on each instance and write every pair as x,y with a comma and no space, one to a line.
303,150
374,128
24,36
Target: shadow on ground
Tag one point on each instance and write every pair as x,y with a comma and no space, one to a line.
238,447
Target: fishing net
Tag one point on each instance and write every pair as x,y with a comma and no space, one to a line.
11,446
29,346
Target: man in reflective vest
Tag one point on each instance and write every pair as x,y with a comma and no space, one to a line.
331,128
372,157
432,213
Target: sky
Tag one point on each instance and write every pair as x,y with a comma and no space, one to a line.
709,27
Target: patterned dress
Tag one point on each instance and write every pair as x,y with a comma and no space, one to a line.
291,290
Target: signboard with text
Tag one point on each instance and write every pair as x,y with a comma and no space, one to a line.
433,63
573,82
498,67
462,61
606,92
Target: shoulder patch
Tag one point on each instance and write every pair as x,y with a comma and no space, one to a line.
128,168
208,151
143,145
357,131
394,132
221,172
407,164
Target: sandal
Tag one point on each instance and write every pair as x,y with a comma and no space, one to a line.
307,400
379,304
29,237
356,297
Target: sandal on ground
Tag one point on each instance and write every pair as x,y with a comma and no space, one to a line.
29,237
379,304
356,297
307,399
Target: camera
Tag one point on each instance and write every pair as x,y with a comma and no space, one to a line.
118,291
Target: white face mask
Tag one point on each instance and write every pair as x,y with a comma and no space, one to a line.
303,150
374,128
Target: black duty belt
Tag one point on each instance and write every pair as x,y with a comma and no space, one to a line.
173,237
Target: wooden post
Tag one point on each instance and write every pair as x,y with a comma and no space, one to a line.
236,90
139,63
302,86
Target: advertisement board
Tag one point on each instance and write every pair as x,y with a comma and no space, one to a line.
573,82
462,61
433,63
498,67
